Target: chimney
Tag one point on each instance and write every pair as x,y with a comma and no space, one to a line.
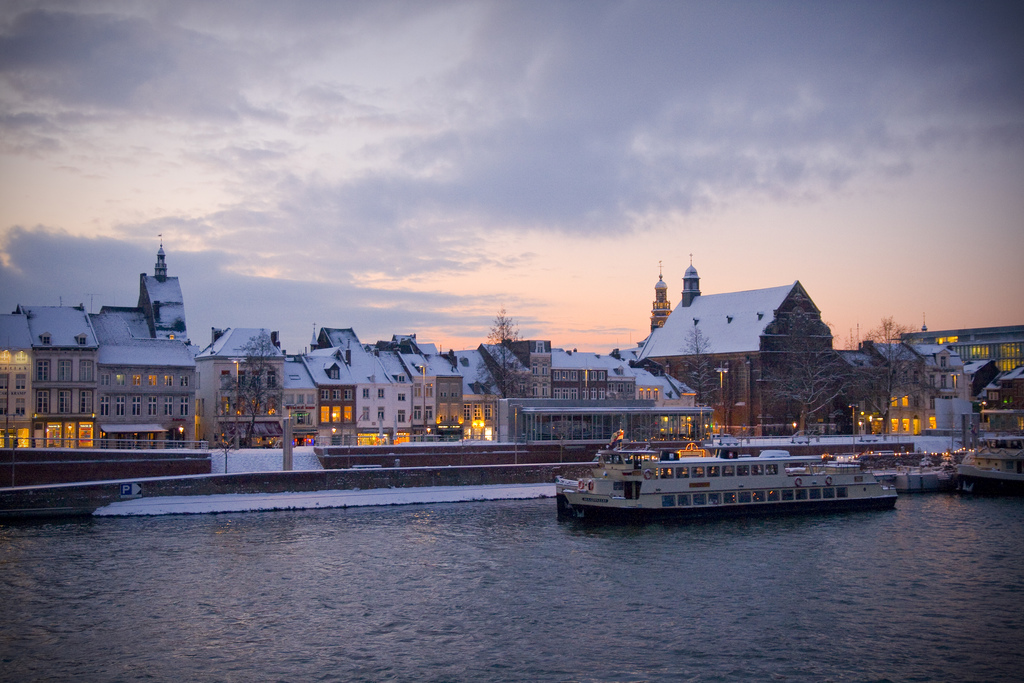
215,334
274,339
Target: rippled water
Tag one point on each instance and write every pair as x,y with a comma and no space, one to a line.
503,591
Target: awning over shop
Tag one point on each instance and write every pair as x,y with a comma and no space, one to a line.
133,429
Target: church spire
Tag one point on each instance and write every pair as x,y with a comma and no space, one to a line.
160,271
691,284
661,308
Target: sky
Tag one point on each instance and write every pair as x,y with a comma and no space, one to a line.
415,167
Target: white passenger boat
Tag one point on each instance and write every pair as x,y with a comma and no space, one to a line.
638,484
997,468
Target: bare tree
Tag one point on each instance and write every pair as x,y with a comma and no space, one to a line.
802,372
698,370
510,375
259,391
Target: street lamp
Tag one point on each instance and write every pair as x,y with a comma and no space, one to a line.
721,390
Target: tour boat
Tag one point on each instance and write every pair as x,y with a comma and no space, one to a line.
996,468
639,484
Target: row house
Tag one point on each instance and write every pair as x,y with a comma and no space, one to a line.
15,380
479,396
240,393
335,387
300,400
364,392
64,355
437,405
145,387
535,354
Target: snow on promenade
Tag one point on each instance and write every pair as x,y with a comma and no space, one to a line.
269,460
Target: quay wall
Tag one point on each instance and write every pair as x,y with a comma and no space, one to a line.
37,466
84,498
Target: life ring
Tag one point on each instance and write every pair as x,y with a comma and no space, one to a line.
798,482
590,485
582,485
828,481
647,474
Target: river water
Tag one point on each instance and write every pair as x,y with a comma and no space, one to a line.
502,591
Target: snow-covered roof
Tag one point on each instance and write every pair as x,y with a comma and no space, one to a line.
168,306
231,343
65,325
320,363
476,378
295,375
732,322
972,367
135,318
118,346
14,332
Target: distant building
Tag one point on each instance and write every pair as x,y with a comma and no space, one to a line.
1004,345
160,313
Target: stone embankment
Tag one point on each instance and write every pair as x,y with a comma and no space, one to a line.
84,498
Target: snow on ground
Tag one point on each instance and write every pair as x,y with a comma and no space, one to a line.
263,460
251,502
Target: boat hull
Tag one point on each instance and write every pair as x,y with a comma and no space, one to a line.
989,484
632,515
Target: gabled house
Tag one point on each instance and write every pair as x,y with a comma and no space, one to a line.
240,392
64,354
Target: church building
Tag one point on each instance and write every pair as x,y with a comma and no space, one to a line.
725,346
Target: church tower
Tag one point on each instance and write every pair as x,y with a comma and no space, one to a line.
691,284
661,308
160,270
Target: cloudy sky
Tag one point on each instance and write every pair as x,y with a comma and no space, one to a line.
415,166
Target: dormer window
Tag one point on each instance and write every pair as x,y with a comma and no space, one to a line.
81,339
334,372
44,339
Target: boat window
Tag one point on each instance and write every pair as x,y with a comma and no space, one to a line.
773,494
700,499
728,470
758,496
616,486
684,498
713,499
682,473
742,470
744,496
664,472
787,494
771,469
828,493
841,492
668,501
757,469
697,473
714,470
815,494
801,494
729,496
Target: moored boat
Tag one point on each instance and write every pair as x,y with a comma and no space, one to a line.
638,484
997,468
